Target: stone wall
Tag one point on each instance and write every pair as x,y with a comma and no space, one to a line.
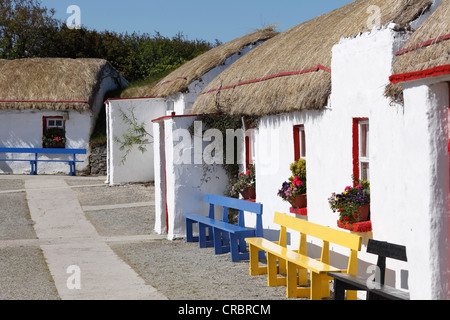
97,161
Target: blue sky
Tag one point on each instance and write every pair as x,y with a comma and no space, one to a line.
196,19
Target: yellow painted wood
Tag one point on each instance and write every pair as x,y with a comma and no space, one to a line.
292,290
342,238
301,260
254,268
295,264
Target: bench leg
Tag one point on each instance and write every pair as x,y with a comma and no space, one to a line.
72,168
204,240
217,234
234,248
292,291
202,235
254,268
189,231
339,290
272,272
316,286
33,168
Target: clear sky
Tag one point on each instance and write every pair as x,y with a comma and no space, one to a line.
196,19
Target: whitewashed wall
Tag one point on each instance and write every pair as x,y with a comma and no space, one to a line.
23,129
180,186
408,161
138,166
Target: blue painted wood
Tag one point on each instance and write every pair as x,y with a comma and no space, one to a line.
42,150
37,151
224,236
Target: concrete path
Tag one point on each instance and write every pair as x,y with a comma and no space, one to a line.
82,264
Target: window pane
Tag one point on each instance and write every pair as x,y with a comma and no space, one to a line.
364,141
58,123
302,143
51,123
365,172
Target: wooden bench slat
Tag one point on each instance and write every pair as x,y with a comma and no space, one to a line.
360,283
217,223
37,151
225,236
351,241
291,256
43,150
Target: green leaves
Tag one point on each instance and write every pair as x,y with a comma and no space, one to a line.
28,30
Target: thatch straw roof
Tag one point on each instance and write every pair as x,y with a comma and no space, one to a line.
290,71
194,69
52,83
428,47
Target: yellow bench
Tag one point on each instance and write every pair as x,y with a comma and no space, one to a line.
295,264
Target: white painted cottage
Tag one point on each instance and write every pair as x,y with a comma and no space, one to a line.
319,89
174,94
43,93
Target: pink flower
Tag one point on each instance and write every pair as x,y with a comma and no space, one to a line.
348,188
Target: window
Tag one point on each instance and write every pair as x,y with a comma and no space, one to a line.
361,149
55,123
250,154
53,132
299,142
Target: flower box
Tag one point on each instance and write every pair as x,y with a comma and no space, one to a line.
364,226
299,201
249,194
299,211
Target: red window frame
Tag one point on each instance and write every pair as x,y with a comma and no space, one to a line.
44,123
355,138
299,142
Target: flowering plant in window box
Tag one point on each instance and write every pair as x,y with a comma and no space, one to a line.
245,184
294,190
54,138
353,204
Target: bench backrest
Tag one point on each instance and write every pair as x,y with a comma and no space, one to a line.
237,204
43,150
328,235
386,250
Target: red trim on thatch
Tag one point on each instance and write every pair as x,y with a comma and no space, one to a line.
48,101
423,44
433,72
133,98
176,116
284,74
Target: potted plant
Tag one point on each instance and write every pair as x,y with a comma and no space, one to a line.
245,185
353,204
54,138
294,190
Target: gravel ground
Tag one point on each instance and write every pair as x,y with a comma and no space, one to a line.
23,272
179,270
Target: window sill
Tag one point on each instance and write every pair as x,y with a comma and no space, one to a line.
299,211
365,226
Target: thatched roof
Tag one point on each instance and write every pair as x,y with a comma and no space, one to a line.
290,71
428,48
194,69
52,83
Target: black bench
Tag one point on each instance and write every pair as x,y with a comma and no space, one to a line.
37,151
376,289
225,236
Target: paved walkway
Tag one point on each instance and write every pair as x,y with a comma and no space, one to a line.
80,261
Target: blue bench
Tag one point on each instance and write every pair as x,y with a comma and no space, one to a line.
37,151
225,236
